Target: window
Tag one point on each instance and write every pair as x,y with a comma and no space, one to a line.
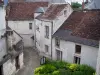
46,48
9,33
30,25
57,42
58,55
78,49
65,12
77,60
47,31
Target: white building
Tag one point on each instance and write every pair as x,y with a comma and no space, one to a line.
93,4
50,1
47,24
77,40
10,61
21,19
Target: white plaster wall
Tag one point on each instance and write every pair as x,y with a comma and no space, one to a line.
88,53
22,28
2,31
9,67
38,24
28,41
95,4
2,19
98,62
3,50
21,60
45,41
16,38
41,41
40,35
67,48
61,18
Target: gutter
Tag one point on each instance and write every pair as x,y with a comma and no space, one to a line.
51,37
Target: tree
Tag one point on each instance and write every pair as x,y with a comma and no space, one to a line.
76,5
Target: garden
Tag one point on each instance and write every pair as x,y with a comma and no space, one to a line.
63,68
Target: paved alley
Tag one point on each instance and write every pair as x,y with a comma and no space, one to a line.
31,61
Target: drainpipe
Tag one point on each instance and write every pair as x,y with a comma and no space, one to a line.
98,62
35,32
51,37
6,36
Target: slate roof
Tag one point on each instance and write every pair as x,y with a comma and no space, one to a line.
52,12
23,10
81,27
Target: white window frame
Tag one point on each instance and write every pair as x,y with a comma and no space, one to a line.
30,26
78,60
47,32
59,57
46,48
57,42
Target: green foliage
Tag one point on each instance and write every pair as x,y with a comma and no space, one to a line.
76,5
73,67
63,68
86,68
65,72
56,73
78,73
45,69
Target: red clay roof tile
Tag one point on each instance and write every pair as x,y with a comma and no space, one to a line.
84,24
52,11
24,10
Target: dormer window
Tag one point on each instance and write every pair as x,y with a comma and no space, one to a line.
65,12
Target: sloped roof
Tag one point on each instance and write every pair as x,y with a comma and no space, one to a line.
81,27
23,10
52,12
1,2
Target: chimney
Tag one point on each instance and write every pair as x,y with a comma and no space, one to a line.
83,5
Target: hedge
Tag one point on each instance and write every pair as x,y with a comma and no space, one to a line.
63,68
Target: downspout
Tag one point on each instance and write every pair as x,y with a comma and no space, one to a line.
51,37
35,32
6,36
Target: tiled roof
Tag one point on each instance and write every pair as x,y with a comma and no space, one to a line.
82,27
1,2
23,10
52,12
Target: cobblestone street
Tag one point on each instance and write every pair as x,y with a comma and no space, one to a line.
31,61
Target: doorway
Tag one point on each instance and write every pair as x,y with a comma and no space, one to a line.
17,63
1,70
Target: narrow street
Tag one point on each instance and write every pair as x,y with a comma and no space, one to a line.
31,61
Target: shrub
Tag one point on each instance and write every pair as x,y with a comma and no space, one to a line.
78,73
65,72
63,68
45,69
56,73
86,68
73,67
